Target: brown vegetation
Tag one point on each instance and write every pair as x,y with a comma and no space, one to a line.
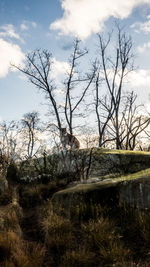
36,235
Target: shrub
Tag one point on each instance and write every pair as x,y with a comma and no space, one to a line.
6,197
46,191
80,257
30,196
28,254
134,226
58,236
5,248
16,252
12,173
83,211
103,238
58,231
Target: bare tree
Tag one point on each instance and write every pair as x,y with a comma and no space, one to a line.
113,69
89,137
146,136
104,111
30,123
73,80
39,68
131,122
9,132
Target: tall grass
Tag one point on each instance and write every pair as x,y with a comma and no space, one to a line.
90,235
115,237
14,250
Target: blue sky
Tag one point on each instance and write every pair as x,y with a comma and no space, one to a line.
52,24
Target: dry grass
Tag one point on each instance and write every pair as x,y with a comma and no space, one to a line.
58,231
119,240
113,236
28,254
103,238
35,195
59,237
83,244
79,257
6,197
16,252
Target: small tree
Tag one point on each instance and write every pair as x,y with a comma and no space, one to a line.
9,134
30,123
132,123
113,70
104,111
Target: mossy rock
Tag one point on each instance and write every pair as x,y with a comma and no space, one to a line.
122,161
121,190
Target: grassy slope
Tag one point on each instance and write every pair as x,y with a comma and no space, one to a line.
105,183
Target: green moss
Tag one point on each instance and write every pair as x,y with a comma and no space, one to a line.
137,175
83,188
116,151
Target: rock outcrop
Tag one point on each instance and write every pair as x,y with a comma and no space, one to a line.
85,163
132,189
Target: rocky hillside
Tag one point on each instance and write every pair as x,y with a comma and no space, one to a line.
83,201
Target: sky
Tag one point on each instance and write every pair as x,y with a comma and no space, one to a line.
26,25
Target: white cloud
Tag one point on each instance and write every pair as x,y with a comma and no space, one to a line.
145,27
8,30
142,27
142,48
23,27
81,18
147,106
58,71
34,25
60,91
139,79
59,68
9,53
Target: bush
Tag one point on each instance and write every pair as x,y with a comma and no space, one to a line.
103,238
12,173
80,257
46,191
16,252
6,197
34,195
58,236
29,196
58,231
134,226
86,244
